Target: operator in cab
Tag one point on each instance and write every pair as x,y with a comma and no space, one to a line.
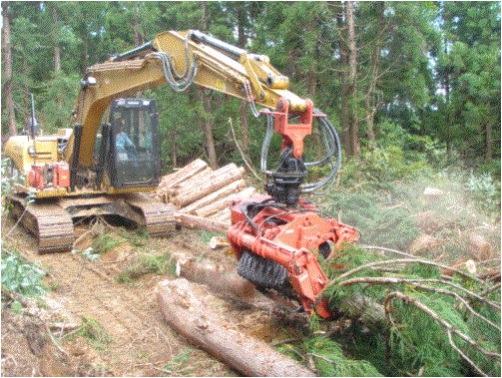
124,146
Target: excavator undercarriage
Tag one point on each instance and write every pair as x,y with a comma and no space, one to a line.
51,222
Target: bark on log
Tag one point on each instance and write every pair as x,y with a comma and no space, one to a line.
188,316
366,310
197,223
221,193
217,277
192,181
199,180
214,182
223,216
183,173
223,203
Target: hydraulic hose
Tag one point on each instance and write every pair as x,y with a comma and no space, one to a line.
332,154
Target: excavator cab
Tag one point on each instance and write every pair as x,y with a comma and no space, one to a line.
134,154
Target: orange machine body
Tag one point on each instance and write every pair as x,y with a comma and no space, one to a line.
293,238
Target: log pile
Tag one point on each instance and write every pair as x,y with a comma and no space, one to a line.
202,195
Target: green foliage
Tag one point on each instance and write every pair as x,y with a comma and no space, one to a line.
409,55
485,192
94,332
179,363
88,254
330,360
21,277
58,99
104,243
416,342
147,264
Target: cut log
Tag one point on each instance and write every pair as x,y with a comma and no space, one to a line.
223,203
223,216
217,277
479,248
197,223
213,183
183,173
221,193
192,181
200,180
190,317
364,309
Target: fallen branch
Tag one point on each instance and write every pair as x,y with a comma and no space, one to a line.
395,280
415,283
443,323
490,290
401,261
188,316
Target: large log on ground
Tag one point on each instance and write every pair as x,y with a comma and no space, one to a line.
220,193
197,223
190,317
183,173
222,280
216,181
216,206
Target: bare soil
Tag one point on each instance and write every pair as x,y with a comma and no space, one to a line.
121,331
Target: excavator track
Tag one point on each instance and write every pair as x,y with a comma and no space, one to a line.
51,225
158,217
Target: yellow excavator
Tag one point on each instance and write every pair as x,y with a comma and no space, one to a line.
109,157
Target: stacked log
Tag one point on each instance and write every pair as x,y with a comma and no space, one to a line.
203,196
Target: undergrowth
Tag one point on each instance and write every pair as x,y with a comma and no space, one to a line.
147,264
20,276
429,321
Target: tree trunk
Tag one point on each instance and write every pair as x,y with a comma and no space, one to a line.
7,69
344,53
57,49
183,174
217,277
488,143
372,99
352,76
214,182
215,196
208,130
188,316
244,128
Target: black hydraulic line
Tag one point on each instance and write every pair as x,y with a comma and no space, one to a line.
215,42
105,135
134,52
77,135
333,151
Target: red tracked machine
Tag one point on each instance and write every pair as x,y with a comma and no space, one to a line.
280,239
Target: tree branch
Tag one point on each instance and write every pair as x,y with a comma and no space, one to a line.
449,328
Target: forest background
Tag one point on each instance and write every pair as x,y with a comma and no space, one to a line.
402,82
413,89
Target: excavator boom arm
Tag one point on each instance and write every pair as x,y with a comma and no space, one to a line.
178,59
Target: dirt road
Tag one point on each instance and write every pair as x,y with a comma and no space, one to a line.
128,336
